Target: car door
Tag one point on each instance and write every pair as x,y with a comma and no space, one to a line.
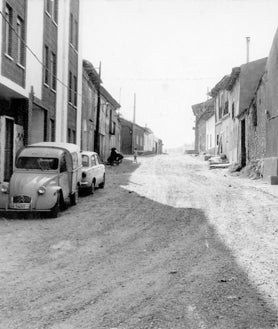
94,168
64,176
99,169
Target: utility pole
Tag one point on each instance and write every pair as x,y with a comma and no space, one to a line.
247,49
96,142
133,123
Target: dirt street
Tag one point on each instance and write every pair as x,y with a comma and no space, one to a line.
166,244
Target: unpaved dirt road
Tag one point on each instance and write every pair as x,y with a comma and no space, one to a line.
166,244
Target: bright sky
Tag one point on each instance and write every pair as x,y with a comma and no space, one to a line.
169,52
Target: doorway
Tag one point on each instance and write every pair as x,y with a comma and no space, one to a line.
243,146
9,149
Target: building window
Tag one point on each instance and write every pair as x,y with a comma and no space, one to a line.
74,136
46,65
226,108
71,28
254,114
75,91
48,6
233,110
69,135
70,87
76,34
8,29
52,130
53,71
217,139
20,39
220,112
55,11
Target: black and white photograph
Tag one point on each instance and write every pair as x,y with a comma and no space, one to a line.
139,164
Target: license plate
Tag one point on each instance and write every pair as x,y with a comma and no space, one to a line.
20,206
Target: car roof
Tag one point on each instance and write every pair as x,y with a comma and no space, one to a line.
43,152
70,147
88,153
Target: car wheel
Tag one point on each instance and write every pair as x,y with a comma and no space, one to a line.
92,188
74,197
101,185
55,210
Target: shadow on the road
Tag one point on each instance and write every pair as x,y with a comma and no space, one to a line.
189,278
134,263
182,274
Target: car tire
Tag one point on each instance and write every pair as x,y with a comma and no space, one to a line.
101,185
74,197
55,210
92,187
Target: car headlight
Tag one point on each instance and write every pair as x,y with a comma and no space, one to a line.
4,188
41,190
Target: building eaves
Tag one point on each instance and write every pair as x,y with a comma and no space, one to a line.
210,111
91,72
233,77
250,76
109,98
221,85
200,108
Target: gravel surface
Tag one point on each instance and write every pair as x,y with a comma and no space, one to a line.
166,244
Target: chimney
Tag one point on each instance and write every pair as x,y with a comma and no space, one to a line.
247,49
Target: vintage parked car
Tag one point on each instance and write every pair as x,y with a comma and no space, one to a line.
47,175
93,172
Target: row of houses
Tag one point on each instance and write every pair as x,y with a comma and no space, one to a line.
240,120
48,92
141,138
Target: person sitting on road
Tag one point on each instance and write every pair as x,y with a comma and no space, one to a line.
114,156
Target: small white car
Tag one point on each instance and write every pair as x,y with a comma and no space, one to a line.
93,172
46,176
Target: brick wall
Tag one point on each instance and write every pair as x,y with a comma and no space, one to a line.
126,138
201,147
10,63
272,100
89,95
73,59
256,126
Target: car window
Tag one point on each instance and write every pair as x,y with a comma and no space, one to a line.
98,159
94,163
41,163
63,163
85,160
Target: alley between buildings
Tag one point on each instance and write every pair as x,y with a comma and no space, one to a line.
167,243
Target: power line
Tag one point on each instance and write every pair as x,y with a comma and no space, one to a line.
35,56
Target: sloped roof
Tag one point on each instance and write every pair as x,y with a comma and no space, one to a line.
91,71
221,85
109,98
204,110
250,76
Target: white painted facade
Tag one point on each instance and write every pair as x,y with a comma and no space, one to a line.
148,142
34,40
210,133
63,72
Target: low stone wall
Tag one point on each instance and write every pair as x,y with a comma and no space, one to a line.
270,170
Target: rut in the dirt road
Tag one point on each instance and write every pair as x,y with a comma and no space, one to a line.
148,251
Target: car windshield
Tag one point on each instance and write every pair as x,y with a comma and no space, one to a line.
85,161
37,163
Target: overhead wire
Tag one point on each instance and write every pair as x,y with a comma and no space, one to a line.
36,57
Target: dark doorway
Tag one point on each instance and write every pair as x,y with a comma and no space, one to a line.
243,146
9,150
